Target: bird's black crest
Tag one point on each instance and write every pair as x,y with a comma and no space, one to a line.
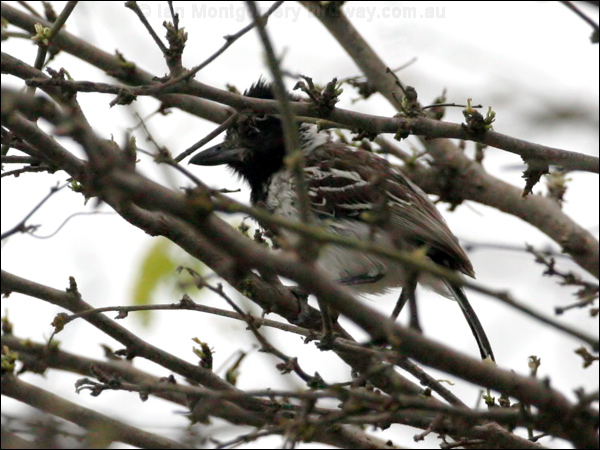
261,89
264,90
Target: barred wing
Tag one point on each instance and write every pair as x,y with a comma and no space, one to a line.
358,185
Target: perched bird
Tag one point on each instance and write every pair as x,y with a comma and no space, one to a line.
353,193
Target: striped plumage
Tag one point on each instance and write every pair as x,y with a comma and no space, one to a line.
353,193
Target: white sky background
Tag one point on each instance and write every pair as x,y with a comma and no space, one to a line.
531,61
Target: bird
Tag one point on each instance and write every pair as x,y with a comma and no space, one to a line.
353,193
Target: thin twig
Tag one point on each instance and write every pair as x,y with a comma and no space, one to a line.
28,169
290,363
420,126
229,40
188,304
82,213
209,137
21,225
56,27
288,122
582,15
136,9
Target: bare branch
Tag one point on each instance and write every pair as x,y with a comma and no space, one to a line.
84,417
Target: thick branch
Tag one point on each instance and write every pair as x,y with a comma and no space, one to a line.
86,418
361,52
541,213
115,66
354,45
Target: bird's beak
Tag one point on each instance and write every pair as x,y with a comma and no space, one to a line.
217,155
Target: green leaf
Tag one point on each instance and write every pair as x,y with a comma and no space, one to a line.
156,267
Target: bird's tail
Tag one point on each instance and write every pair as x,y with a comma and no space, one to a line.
483,342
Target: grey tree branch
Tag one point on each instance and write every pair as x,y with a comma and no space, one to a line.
84,417
541,213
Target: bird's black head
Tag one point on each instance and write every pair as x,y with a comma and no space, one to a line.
254,145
